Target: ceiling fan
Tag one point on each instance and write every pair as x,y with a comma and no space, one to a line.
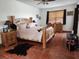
44,1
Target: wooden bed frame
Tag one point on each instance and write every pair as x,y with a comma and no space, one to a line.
44,32
43,40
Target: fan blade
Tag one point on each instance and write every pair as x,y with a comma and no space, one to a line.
51,0
44,0
39,3
37,0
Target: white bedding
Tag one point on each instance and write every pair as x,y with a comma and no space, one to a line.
30,34
33,34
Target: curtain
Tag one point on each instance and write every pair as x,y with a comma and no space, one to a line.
47,17
64,17
75,24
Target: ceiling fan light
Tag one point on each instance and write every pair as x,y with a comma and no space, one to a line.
45,2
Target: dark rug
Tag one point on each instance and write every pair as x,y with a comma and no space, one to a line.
20,49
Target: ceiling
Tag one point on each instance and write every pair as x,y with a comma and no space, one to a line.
55,3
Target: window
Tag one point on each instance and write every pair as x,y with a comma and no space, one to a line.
56,16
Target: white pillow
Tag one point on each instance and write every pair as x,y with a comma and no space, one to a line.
32,24
22,26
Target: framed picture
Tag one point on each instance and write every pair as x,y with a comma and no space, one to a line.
37,16
70,13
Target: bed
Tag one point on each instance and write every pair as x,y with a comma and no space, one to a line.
35,33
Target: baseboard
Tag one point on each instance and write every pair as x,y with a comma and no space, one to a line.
66,31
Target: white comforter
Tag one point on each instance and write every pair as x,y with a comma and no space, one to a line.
33,34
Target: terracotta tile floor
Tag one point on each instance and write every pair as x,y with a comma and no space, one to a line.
55,50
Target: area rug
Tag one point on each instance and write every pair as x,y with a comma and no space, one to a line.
20,49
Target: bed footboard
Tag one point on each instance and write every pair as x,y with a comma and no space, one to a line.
48,33
44,39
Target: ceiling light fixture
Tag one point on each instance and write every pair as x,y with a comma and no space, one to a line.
45,2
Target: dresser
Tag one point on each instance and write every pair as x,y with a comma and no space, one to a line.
9,38
58,27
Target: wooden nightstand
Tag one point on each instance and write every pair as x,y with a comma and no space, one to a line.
9,38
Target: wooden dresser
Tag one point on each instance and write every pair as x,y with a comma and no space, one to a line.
9,38
58,27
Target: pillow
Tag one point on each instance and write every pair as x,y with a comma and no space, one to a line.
16,22
32,24
21,21
22,26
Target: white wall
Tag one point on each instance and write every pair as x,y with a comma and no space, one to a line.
69,19
16,8
78,2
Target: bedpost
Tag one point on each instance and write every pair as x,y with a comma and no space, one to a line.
44,38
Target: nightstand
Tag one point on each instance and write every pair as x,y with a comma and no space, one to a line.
9,38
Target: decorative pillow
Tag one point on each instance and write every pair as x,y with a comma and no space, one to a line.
22,26
21,21
32,24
